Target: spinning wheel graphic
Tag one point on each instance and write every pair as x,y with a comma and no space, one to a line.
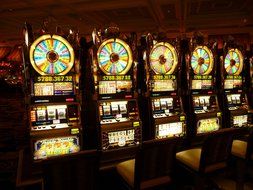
51,55
202,60
114,57
233,62
163,58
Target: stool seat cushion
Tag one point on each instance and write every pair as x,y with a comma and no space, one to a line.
190,158
239,148
148,184
126,170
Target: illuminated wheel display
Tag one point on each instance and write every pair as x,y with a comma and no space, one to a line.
163,58
114,57
51,55
202,60
233,62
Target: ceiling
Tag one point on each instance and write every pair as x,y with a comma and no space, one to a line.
175,17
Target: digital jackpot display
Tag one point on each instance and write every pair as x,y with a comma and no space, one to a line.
53,85
115,84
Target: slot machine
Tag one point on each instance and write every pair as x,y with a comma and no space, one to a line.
114,102
204,112
250,91
53,97
235,103
162,111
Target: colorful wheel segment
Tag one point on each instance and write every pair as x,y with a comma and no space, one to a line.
202,60
114,57
51,55
233,62
163,58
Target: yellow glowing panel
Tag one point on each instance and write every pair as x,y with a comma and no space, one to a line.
56,146
202,60
163,58
114,57
233,62
51,55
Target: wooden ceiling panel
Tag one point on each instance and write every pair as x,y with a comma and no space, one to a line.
169,11
175,16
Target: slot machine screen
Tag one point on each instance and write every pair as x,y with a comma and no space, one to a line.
53,85
55,147
115,84
117,111
43,89
232,82
202,82
208,125
121,138
240,120
234,99
161,83
169,130
163,107
107,87
50,117
113,111
204,103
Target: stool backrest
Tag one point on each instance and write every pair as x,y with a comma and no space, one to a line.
10,167
249,152
75,171
216,148
156,158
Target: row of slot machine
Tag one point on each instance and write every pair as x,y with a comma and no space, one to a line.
158,89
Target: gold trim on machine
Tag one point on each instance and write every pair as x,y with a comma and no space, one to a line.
113,62
233,62
201,58
51,56
160,61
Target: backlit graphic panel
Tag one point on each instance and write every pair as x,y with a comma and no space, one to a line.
51,55
114,57
233,62
56,146
208,125
163,58
202,60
